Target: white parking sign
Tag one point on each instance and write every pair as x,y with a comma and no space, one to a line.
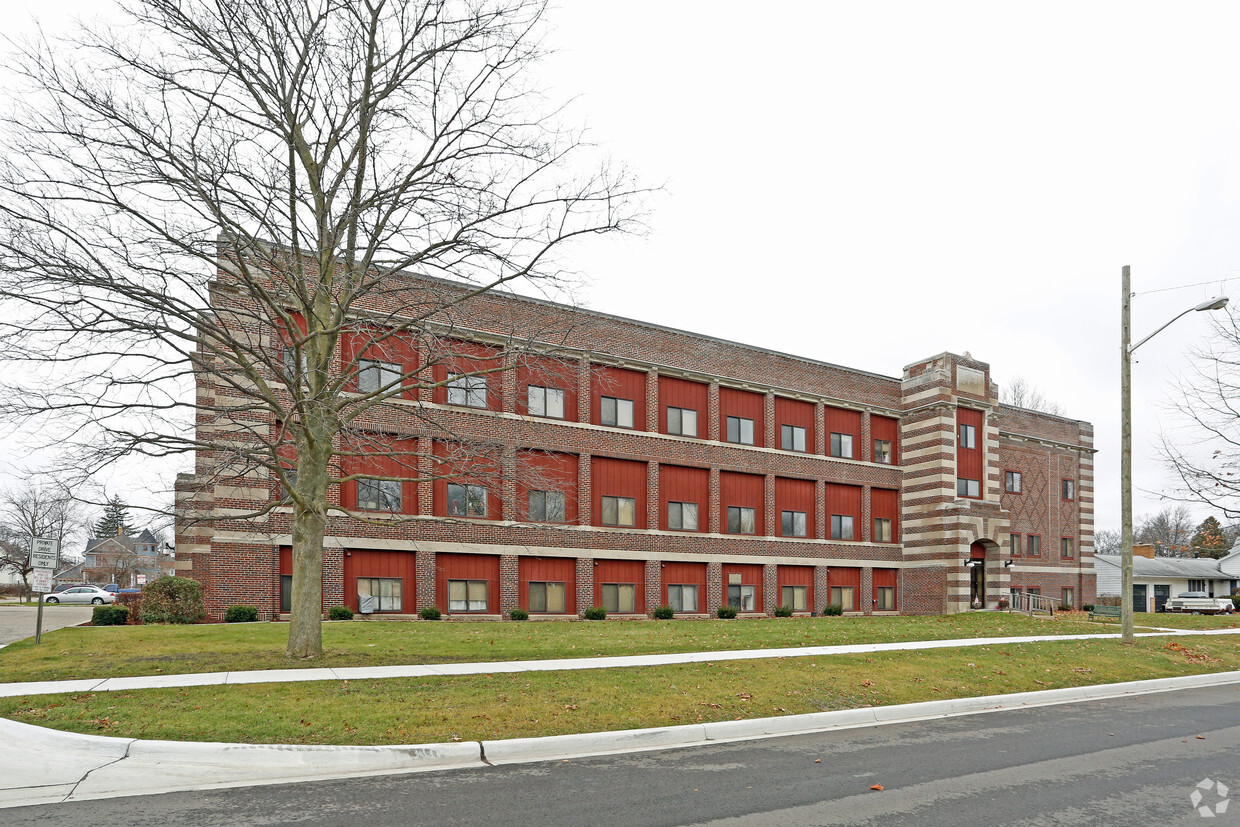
44,552
41,581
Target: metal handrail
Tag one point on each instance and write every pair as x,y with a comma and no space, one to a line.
1030,603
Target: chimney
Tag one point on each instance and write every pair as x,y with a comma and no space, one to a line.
1143,550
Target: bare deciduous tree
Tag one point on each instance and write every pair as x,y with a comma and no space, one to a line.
1107,541
1204,451
1170,530
291,205
36,511
1023,394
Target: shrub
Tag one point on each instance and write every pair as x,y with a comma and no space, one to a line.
833,609
1235,599
595,613
339,613
783,611
726,612
172,600
109,616
1065,607
241,614
430,613
1087,607
664,613
519,614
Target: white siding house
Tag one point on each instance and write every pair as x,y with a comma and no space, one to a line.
1154,580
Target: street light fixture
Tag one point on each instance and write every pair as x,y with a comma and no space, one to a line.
1125,450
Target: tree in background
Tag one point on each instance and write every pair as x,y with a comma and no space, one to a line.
220,194
1108,541
1022,393
1210,540
35,511
115,517
1170,531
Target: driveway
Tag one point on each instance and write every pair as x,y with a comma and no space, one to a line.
17,622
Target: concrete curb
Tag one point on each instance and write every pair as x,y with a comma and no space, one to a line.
45,766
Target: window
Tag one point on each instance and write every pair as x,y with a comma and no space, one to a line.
1033,545
470,391
1065,547
682,516
885,599
882,530
1069,489
882,451
842,445
968,436
742,598
286,593
542,401
1014,545
289,358
466,500
385,592
741,520
548,597
467,595
793,523
841,527
968,488
621,511
616,412
795,596
1066,597
379,495
291,476
740,430
546,506
682,421
682,598
843,595
1196,585
373,376
620,598
792,437
1012,482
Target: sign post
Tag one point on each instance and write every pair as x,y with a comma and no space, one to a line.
44,554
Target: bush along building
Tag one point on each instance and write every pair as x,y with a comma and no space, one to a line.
553,459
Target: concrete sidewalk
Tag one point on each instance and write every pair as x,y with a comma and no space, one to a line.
354,673
41,766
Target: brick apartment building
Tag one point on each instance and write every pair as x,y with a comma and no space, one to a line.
647,466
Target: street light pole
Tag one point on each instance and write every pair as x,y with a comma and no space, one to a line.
1125,449
1125,461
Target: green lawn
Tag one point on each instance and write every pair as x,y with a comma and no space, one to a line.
424,710
116,651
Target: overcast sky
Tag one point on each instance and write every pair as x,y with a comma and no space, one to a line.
872,183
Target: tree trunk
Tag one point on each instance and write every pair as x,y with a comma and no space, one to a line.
305,634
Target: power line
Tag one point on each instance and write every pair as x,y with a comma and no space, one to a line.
1184,286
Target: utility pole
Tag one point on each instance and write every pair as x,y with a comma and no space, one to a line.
1125,460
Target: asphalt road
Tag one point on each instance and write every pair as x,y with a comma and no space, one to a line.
17,622
1130,761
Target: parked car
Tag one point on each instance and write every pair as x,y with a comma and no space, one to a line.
1199,603
82,594
116,589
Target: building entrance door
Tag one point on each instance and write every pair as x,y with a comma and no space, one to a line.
1139,602
1161,595
977,584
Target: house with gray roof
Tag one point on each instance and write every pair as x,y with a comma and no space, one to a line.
1156,579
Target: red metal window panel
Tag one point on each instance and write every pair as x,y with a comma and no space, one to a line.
887,578
398,565
845,577
686,574
624,572
467,466
681,393
746,405
548,570
888,430
468,358
744,575
744,491
798,576
798,414
846,500
843,421
970,462
547,471
467,567
618,383
372,343
618,478
545,372
885,505
680,484
380,455
797,496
